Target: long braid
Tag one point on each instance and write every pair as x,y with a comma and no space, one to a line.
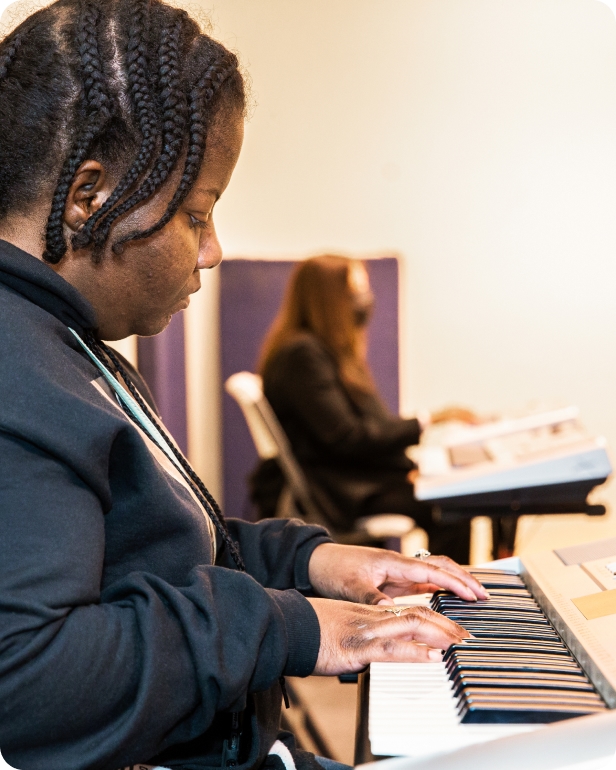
201,95
7,59
97,113
173,124
141,97
201,492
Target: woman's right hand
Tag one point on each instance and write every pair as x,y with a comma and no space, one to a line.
354,635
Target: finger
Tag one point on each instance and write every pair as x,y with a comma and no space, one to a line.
401,651
386,600
464,575
420,624
400,573
367,593
410,590
427,572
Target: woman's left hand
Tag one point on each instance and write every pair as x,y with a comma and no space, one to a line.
376,576
456,414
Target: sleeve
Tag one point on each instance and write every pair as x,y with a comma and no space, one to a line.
314,393
88,677
277,551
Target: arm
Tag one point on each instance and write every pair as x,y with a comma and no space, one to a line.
90,678
313,392
277,551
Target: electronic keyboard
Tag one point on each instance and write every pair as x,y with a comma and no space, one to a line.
544,650
543,462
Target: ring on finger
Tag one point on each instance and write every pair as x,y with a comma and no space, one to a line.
421,554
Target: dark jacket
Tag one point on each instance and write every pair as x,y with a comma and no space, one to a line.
352,449
125,633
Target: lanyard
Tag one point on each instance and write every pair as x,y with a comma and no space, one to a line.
132,406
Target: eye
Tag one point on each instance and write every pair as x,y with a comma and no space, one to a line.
199,224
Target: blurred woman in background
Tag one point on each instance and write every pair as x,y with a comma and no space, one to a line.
317,379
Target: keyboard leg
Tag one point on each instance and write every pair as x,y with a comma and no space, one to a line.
362,741
503,535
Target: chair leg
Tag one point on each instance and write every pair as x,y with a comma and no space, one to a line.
313,733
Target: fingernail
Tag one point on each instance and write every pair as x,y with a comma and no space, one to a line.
435,655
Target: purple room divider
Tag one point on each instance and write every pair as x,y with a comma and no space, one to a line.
250,294
162,365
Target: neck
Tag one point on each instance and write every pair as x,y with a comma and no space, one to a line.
25,233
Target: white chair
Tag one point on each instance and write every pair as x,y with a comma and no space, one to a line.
271,442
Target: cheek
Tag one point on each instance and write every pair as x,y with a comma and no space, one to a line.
169,266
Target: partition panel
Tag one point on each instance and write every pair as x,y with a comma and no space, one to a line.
251,293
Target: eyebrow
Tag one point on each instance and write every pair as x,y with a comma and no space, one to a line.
204,191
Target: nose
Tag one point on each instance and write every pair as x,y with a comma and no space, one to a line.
210,250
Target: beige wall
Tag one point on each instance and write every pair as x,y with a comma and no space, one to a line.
477,138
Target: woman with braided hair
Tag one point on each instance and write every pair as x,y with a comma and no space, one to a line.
137,625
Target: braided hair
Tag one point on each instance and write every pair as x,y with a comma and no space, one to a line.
96,113
134,84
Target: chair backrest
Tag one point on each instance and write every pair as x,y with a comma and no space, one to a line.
247,389
313,504
269,437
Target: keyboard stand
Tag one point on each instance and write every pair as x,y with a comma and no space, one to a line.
505,517
362,741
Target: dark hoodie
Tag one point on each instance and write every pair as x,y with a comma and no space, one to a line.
125,634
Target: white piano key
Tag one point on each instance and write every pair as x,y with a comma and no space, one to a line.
412,712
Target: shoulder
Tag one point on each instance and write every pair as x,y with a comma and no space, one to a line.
304,345
46,381
303,353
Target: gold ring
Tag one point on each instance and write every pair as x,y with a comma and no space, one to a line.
396,610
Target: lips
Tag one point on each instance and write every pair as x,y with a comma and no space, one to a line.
181,304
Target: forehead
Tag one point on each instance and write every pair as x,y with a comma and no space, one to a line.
223,145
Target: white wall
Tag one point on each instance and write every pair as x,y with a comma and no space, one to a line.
475,137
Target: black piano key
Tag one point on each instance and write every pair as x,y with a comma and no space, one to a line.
495,598
477,711
491,582
572,677
481,645
527,682
528,696
490,624
504,665
516,668
510,664
503,634
495,613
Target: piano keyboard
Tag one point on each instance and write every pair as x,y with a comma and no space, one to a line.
517,674
516,668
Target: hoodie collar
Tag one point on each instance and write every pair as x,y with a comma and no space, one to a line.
37,282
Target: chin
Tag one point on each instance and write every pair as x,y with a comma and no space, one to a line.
151,328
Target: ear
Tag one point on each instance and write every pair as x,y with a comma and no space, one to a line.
88,192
